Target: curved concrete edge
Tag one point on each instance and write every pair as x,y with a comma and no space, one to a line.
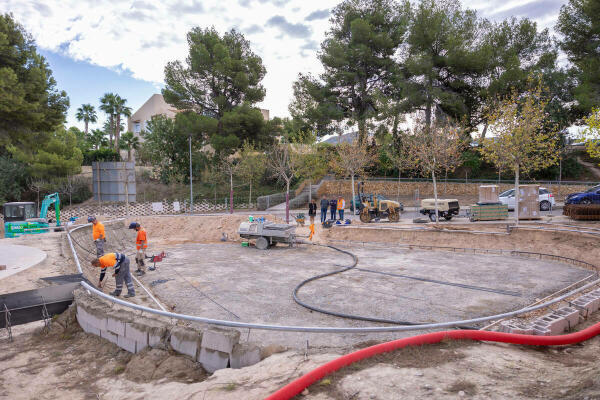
18,258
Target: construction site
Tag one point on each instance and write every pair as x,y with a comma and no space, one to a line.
218,316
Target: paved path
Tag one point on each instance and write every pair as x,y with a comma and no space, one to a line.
18,258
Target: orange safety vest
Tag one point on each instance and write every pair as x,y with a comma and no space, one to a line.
341,204
98,231
108,260
141,237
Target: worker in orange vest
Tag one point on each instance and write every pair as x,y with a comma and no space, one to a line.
141,244
341,205
120,263
98,235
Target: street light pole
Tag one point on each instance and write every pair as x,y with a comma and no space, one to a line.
191,184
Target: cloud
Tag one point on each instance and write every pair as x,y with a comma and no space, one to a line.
288,28
160,42
253,29
534,9
142,36
43,9
141,5
317,14
309,48
186,7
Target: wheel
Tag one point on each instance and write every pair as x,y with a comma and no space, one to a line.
447,217
394,216
432,217
585,201
262,243
365,217
545,205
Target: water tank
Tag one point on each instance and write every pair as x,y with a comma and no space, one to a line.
115,179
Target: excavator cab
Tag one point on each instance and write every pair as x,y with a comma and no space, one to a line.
21,218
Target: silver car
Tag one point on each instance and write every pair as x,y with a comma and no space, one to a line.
546,199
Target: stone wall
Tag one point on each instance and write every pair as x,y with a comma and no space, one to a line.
407,190
213,348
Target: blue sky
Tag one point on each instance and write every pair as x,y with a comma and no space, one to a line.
99,46
86,83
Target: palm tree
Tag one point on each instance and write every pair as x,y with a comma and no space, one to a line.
129,142
87,114
97,139
107,104
119,109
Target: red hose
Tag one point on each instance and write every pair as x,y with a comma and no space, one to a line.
297,386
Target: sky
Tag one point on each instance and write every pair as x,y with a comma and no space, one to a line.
122,46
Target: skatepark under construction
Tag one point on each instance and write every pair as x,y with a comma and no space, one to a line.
352,285
348,279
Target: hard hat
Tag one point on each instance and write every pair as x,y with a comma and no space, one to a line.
134,225
91,218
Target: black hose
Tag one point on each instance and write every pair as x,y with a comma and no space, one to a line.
343,315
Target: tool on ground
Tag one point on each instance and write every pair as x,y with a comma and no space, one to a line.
156,258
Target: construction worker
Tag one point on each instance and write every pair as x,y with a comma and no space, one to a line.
141,244
120,263
341,205
98,235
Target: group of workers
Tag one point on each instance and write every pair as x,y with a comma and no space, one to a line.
334,206
119,261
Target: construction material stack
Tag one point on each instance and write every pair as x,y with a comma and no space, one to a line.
529,202
488,194
489,207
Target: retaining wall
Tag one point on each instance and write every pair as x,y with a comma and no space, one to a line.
213,348
407,189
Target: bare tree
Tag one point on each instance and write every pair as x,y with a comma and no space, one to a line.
229,166
279,162
523,139
352,160
252,166
434,149
401,156
38,185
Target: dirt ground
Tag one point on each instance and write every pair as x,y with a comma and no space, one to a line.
68,363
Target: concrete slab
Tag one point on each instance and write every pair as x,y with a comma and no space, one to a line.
18,258
227,281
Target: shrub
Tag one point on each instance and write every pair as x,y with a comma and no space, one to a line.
103,154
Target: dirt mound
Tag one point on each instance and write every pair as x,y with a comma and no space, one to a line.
196,229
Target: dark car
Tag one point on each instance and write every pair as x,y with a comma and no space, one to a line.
360,206
590,196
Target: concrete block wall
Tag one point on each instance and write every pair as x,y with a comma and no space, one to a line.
558,321
213,348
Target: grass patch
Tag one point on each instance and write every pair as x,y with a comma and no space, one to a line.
230,387
119,369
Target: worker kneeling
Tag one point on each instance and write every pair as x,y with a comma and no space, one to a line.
121,265
141,244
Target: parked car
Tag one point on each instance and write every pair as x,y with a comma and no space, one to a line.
359,203
590,196
546,199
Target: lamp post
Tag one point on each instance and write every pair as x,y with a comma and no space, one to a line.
191,184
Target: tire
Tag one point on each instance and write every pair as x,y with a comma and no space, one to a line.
365,217
585,201
394,216
262,243
432,217
545,205
448,217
